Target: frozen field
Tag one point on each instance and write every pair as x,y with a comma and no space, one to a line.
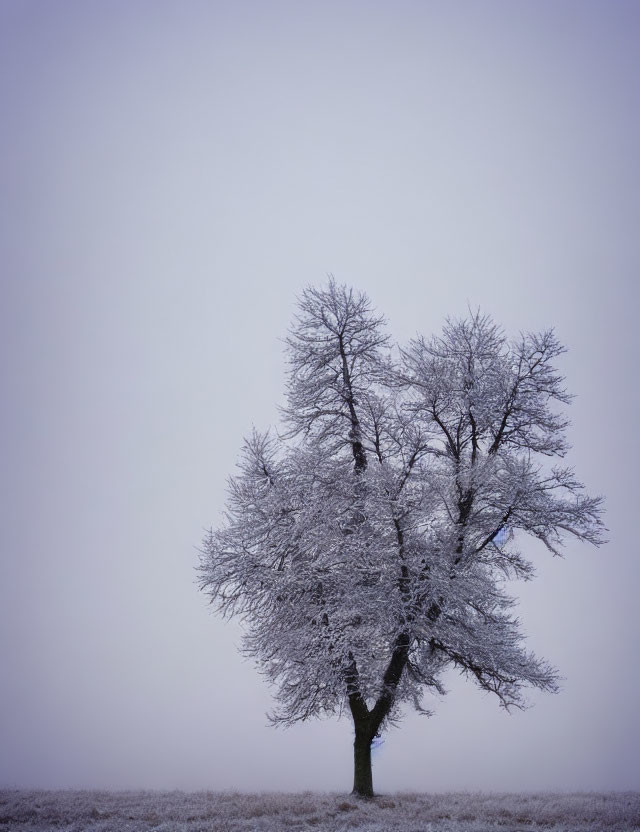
230,812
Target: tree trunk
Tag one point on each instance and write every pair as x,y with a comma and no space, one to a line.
362,776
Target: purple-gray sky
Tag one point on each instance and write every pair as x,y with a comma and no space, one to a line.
172,173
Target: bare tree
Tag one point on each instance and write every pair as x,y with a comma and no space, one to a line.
367,548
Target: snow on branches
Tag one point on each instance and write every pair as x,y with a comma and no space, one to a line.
366,548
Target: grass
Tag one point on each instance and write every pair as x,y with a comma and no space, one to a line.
100,811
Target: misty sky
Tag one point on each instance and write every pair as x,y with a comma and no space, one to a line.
171,175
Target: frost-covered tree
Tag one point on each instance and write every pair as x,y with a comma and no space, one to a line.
366,548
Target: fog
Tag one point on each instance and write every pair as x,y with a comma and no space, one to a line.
173,174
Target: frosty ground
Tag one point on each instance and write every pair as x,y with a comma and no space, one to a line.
99,811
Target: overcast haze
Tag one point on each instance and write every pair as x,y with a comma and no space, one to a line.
172,174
